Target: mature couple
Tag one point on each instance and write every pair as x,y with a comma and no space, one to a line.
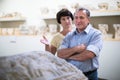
80,47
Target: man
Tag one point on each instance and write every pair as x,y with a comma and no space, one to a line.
82,46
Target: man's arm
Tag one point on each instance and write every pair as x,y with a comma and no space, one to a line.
92,50
85,55
67,52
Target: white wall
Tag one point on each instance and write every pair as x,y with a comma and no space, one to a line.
10,45
109,61
31,8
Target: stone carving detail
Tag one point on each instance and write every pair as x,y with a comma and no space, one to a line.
117,30
104,29
37,65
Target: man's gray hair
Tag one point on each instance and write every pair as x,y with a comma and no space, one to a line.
85,10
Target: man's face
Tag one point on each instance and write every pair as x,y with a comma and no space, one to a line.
81,20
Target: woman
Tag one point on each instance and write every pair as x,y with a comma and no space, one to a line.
64,18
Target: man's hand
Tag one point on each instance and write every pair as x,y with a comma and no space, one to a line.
80,48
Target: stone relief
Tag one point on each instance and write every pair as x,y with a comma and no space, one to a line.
37,65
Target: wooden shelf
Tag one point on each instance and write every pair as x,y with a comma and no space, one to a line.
96,13
11,19
105,13
112,39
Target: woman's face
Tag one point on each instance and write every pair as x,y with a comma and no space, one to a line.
66,22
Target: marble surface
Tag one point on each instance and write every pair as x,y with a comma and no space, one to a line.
37,65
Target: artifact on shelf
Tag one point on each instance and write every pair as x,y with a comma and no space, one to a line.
12,15
0,31
104,29
44,10
117,30
75,6
32,27
4,31
118,5
10,31
52,28
62,7
24,30
16,31
90,7
103,6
